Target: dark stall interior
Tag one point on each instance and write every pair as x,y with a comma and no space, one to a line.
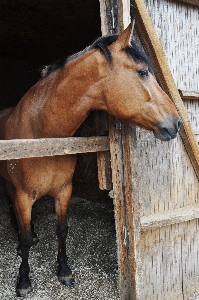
34,34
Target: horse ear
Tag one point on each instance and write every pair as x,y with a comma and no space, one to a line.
124,39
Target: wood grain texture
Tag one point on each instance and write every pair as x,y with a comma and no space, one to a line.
164,195
176,25
126,279
22,148
168,187
122,190
156,190
191,2
192,107
151,43
104,170
162,263
183,214
103,158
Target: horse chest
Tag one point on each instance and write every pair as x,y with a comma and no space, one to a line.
42,175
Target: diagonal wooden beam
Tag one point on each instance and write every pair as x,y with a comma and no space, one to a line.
152,45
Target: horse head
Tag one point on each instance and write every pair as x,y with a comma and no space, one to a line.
133,94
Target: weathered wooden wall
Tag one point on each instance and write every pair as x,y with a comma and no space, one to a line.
176,25
156,188
167,188
168,192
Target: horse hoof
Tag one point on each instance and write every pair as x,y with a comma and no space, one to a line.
66,280
24,292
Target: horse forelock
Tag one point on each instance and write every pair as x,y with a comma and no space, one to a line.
133,51
138,55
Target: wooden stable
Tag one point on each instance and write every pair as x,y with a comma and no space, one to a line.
155,184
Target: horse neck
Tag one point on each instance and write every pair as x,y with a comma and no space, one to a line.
77,90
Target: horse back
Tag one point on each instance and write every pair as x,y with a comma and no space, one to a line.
4,115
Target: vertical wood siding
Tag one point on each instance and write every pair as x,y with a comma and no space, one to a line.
169,255
177,27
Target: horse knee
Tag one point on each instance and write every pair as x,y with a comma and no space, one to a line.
25,244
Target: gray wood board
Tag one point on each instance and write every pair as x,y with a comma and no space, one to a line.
23,148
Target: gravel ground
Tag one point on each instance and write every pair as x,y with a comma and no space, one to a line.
91,251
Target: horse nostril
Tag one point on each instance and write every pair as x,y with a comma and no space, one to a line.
179,124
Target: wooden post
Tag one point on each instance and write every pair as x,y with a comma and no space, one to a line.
117,13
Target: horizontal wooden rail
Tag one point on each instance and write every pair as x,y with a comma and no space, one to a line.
191,2
24,148
172,217
189,95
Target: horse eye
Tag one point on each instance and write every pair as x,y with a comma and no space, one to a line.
143,73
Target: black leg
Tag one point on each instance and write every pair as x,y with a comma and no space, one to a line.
64,273
23,207
25,242
61,206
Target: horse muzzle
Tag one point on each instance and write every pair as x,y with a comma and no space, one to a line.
166,133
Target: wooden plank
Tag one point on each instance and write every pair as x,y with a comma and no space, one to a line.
189,94
23,148
125,192
126,280
161,251
190,259
176,24
192,107
122,195
191,2
151,43
101,118
103,158
183,214
169,252
104,170
103,16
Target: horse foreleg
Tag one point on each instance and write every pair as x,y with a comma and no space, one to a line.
34,236
23,207
61,206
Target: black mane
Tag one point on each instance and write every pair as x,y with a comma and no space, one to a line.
133,51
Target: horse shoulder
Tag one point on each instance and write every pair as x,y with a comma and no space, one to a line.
4,116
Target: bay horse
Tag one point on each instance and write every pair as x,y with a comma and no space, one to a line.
113,75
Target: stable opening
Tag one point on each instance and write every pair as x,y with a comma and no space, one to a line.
32,35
